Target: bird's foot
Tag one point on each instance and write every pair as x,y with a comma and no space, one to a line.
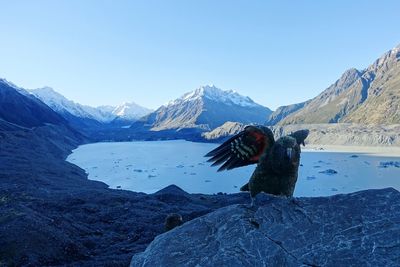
252,204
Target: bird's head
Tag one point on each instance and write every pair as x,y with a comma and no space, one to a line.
300,136
285,154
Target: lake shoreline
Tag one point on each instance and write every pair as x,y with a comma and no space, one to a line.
389,150
325,170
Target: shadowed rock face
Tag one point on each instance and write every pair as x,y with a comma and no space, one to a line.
24,110
358,229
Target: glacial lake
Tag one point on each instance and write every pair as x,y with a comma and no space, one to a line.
149,166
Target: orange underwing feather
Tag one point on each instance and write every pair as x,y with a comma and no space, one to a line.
261,143
242,149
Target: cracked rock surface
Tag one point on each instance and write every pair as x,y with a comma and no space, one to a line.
358,229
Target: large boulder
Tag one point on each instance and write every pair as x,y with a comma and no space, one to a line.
358,229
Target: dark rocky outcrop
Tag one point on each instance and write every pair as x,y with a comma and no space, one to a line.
224,131
358,229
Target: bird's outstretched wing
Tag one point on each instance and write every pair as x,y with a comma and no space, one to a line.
242,149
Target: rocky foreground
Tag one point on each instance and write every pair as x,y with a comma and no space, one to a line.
358,229
52,215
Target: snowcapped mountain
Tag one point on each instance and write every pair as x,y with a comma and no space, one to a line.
205,108
82,116
229,97
62,105
130,111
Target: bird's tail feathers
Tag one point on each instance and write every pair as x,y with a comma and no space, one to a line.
245,187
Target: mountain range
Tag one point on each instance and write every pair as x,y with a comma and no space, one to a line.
369,96
83,116
188,116
203,109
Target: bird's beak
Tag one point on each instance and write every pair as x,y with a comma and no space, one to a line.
289,152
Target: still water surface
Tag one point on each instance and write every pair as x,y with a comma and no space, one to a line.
150,166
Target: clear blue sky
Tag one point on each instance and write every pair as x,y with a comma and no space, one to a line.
107,52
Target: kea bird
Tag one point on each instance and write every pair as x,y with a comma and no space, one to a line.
277,161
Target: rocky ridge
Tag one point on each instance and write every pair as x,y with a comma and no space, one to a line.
222,132
369,96
358,229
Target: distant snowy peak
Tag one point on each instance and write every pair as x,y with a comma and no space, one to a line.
229,97
130,111
205,109
61,104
